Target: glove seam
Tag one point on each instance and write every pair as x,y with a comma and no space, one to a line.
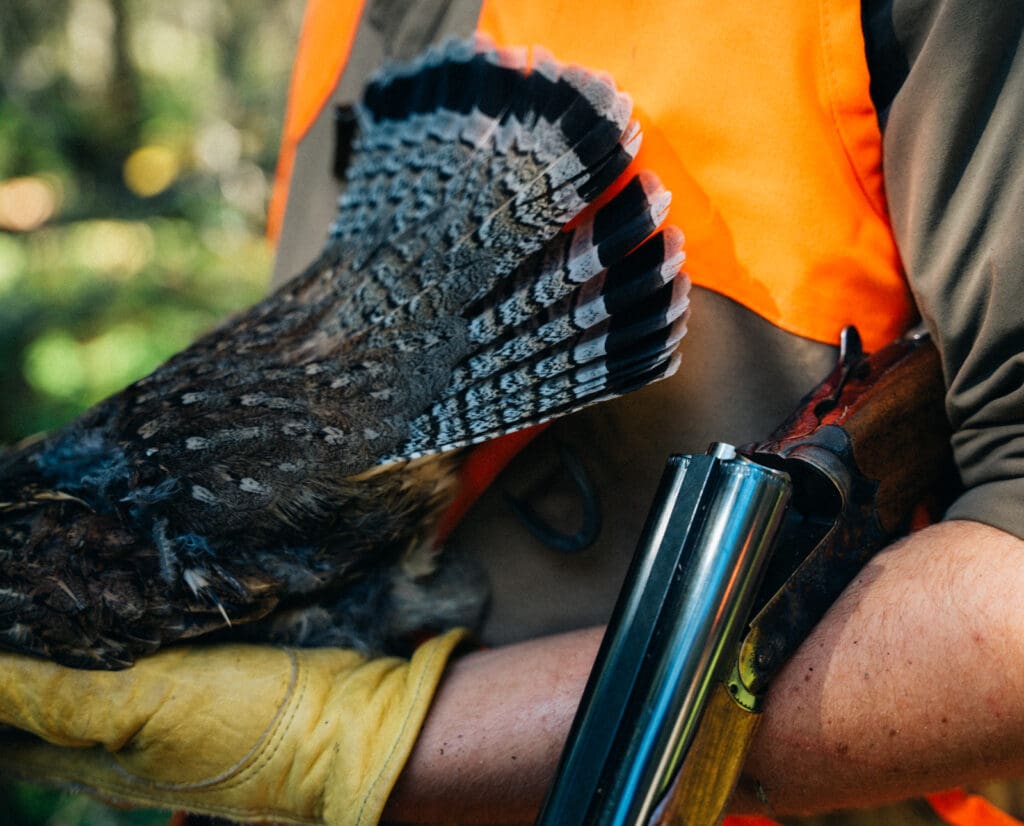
258,750
438,651
275,731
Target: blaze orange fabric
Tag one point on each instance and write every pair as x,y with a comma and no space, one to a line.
955,807
773,154
786,120
328,29
958,808
806,141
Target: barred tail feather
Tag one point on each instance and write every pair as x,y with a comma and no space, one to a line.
467,172
432,434
613,358
563,331
572,259
469,288
443,199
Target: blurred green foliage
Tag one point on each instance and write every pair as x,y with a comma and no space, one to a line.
26,805
137,145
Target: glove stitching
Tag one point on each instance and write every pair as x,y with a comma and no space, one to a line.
439,650
265,735
130,787
244,775
279,727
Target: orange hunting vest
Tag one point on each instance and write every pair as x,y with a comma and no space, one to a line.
757,117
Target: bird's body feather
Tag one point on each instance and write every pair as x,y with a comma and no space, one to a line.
301,449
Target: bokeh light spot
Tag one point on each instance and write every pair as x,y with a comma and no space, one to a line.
27,203
116,248
86,371
114,359
90,40
13,261
149,170
54,365
162,48
218,146
246,187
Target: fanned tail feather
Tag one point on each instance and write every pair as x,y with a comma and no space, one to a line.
616,358
504,167
467,171
575,283
470,287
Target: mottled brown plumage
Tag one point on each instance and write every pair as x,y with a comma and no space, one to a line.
288,463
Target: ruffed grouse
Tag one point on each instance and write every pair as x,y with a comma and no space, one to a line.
300,453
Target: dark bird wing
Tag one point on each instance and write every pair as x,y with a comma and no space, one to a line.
306,445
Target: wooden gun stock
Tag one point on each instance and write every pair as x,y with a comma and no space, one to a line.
860,453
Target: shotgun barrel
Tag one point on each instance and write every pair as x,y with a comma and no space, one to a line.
742,553
687,596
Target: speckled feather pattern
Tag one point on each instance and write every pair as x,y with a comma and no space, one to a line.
281,473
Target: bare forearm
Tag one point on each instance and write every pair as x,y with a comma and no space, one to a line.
911,683
908,685
491,742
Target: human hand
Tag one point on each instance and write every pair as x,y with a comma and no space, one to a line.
244,731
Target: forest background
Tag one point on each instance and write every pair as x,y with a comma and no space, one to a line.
138,140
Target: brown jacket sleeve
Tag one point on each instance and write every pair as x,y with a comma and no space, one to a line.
954,166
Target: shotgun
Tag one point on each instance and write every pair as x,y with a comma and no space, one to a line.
743,551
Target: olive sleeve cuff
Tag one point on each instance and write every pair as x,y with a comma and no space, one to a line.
997,503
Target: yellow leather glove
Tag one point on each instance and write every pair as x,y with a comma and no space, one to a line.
243,731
